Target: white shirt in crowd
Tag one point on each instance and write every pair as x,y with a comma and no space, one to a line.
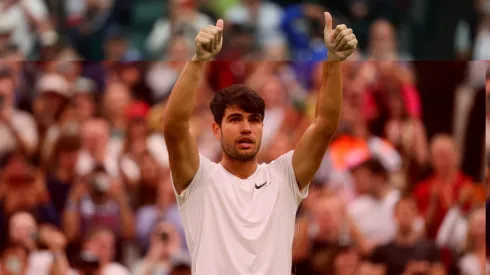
23,35
241,226
25,126
375,218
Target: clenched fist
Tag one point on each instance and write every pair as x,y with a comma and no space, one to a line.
341,42
209,41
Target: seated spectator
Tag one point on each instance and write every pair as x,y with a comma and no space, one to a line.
62,172
23,188
116,99
407,253
14,258
98,201
18,130
439,192
98,148
165,245
374,212
383,44
97,255
408,136
184,17
328,229
165,209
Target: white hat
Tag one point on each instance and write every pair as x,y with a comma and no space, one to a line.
53,83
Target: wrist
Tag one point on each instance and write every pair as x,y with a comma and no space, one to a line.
195,58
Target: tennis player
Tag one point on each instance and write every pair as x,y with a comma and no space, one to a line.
238,215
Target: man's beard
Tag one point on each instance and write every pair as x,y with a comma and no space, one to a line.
232,153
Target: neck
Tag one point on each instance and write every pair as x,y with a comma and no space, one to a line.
241,169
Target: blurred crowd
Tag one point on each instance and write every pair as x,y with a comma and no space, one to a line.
84,174
255,29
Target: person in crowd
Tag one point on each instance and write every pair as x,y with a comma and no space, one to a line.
98,201
165,245
374,211
436,194
408,252
18,129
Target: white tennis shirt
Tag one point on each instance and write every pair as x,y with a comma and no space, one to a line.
239,226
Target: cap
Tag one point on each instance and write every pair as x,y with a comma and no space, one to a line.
53,83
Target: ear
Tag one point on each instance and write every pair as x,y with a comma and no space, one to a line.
216,131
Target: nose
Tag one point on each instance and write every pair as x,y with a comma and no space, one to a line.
246,129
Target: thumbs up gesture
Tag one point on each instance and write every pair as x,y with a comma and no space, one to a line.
341,42
209,41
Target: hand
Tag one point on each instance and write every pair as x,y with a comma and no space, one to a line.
209,41
117,191
79,189
53,238
341,42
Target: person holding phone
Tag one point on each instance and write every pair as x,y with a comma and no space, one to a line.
164,249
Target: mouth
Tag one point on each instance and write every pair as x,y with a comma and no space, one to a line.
246,142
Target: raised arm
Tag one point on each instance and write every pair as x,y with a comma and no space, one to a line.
181,145
312,146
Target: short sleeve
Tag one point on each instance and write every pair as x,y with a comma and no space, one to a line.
204,166
25,125
284,164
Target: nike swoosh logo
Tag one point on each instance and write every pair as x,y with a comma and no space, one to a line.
260,186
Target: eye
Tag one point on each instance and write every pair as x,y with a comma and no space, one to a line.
235,119
255,120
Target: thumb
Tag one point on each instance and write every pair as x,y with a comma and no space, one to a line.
328,21
220,23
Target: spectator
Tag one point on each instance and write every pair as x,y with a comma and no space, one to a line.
165,245
165,209
29,22
17,128
184,19
408,136
407,253
374,212
98,254
62,172
23,188
117,98
264,16
436,194
117,48
98,148
383,44
99,201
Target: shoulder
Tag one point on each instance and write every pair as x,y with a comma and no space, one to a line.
22,116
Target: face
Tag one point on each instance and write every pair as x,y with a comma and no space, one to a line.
240,133
102,245
443,155
116,100
95,135
405,215
327,214
395,105
22,228
363,180
382,38
272,92
85,106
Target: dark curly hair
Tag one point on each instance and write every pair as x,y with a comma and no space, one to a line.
236,95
